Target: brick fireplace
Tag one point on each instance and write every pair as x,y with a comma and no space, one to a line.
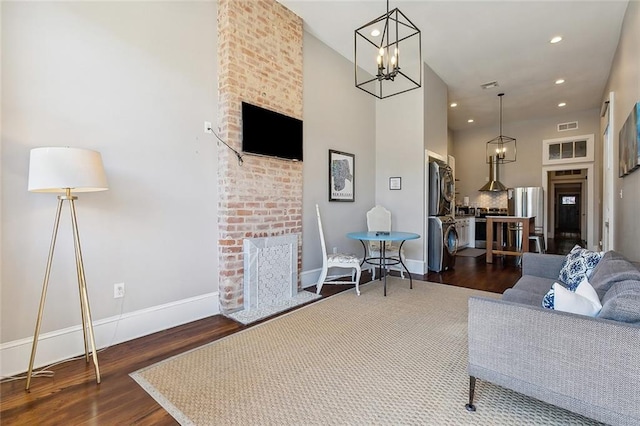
259,62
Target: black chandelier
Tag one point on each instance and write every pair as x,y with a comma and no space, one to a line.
378,44
501,149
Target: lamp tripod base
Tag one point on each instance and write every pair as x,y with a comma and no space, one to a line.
85,310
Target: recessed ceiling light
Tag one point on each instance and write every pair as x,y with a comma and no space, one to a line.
470,120
560,81
556,39
453,105
562,104
375,32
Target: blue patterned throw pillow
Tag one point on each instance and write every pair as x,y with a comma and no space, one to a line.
578,266
548,301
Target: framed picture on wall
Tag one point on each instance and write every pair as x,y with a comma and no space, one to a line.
342,176
395,183
629,143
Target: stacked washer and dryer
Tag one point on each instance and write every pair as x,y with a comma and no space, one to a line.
443,238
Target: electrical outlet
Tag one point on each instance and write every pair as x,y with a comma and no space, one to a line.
207,127
118,290
335,250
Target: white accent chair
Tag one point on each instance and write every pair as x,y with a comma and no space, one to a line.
336,260
379,219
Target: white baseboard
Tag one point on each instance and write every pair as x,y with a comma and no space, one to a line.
310,278
67,343
417,267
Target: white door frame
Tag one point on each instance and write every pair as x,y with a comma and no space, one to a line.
608,177
592,244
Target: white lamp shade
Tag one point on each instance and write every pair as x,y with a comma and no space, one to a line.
60,168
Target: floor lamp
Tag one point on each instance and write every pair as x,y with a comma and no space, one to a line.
66,170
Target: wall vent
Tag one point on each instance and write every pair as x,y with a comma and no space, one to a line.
563,127
489,85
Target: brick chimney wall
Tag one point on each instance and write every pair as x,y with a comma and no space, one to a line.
259,62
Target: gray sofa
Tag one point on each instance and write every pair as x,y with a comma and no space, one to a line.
588,365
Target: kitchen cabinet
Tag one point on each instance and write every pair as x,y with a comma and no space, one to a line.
472,231
466,227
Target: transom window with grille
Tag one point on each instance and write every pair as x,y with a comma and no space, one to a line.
568,150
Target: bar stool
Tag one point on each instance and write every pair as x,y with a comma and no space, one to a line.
539,239
539,243
514,235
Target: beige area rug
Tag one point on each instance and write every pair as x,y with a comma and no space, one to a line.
345,360
471,252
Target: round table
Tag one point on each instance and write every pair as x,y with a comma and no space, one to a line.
383,261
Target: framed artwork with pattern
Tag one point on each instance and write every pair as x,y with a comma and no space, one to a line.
342,176
629,143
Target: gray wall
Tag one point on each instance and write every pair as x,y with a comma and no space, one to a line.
436,132
624,81
337,116
399,153
406,125
470,145
134,81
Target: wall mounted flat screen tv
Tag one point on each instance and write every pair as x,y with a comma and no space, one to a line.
270,133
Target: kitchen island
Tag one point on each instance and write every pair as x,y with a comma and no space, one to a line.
528,223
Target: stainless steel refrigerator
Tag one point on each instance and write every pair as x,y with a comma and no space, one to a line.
526,202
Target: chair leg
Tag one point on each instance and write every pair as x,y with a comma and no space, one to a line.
357,280
321,280
472,388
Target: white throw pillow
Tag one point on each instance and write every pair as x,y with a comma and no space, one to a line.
584,301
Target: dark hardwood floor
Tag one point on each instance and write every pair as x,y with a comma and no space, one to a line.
474,272
72,396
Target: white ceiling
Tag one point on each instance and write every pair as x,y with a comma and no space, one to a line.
469,43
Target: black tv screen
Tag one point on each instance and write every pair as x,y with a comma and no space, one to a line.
270,133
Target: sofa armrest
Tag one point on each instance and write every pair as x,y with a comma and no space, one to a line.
542,265
586,365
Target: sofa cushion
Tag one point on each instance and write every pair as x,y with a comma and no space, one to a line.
521,296
622,302
542,265
578,265
612,268
536,285
529,290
